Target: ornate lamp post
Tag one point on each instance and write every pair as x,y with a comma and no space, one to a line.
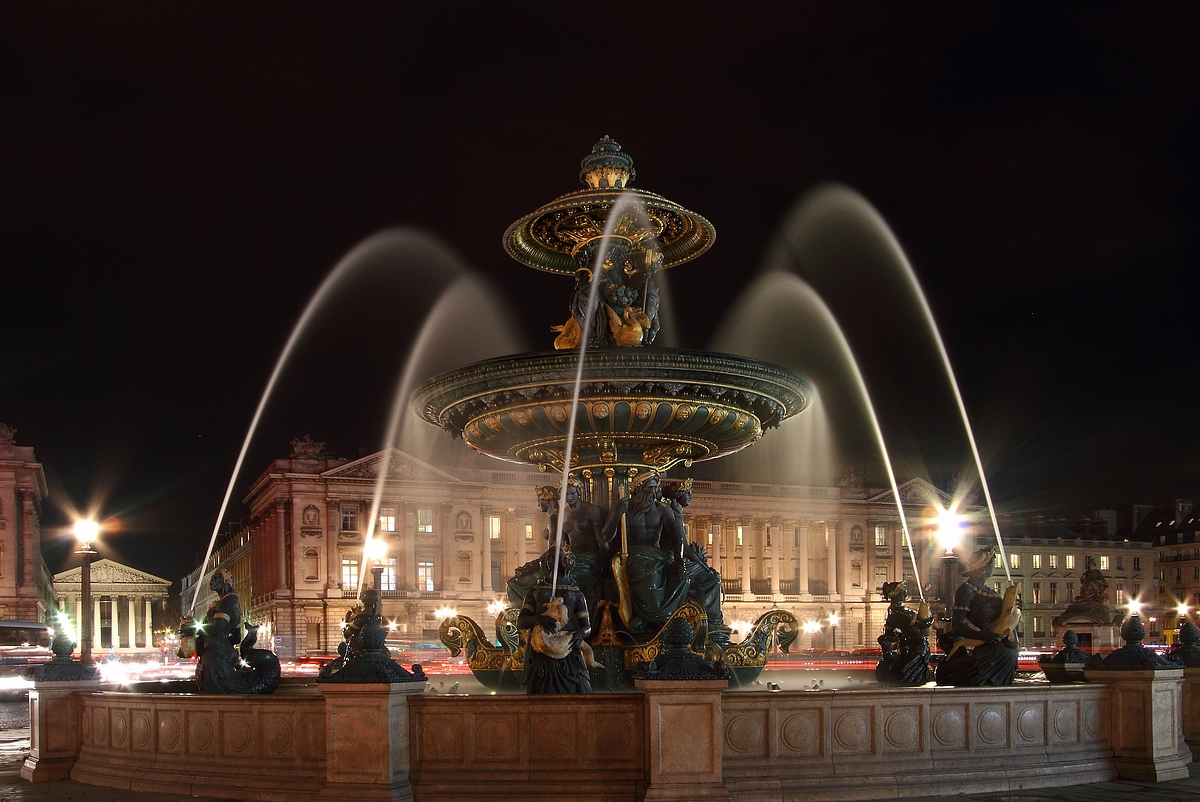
376,551
834,618
86,531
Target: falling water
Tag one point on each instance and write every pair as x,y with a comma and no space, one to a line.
614,217
836,212
447,339
410,253
772,302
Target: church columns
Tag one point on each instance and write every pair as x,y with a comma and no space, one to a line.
95,621
777,540
149,624
486,535
409,567
802,558
522,542
717,525
747,552
132,623
831,534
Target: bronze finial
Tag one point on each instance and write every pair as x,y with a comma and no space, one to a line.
607,166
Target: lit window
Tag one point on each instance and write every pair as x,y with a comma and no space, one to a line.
1038,626
1120,594
1014,560
1037,560
529,529
739,534
1103,562
768,537
425,575
880,535
387,519
425,520
349,573
494,527
1037,592
387,580
1053,560
1054,593
710,534
881,576
349,517
997,560
1070,561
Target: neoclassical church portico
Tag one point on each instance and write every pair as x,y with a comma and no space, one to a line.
123,600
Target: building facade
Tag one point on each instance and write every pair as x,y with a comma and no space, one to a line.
25,584
124,601
455,535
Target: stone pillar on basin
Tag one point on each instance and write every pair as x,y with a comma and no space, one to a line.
55,728
367,741
1145,710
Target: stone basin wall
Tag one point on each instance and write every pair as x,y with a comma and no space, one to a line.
669,741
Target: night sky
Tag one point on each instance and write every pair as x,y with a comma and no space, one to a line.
175,183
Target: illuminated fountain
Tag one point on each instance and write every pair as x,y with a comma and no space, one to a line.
608,409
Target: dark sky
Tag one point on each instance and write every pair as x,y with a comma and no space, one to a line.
176,183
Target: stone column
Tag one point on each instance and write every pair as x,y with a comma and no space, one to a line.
55,729
522,542
29,549
133,624
333,525
367,740
281,506
802,556
150,624
718,530
410,547
1145,723
1191,708
685,739
79,617
95,621
747,548
831,529
114,622
777,537
484,513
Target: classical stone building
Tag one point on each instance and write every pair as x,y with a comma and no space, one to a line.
25,586
123,601
455,534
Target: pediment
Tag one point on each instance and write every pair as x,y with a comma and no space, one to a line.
109,572
400,467
914,491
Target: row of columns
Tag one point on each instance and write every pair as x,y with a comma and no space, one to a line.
131,621
782,537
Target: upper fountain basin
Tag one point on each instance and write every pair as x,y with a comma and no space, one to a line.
638,408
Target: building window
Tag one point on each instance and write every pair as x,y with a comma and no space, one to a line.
387,519
1037,592
1037,560
1103,562
1120,594
1196,573
349,573
880,535
768,538
529,529
1120,563
493,522
710,534
387,580
1070,561
1178,575
1014,560
349,517
796,537
1137,563
1038,625
425,574
1070,591
1053,560
425,521
997,560
881,576
1054,593
739,534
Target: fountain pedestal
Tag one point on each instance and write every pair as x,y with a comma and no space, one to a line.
685,737
56,730
1145,723
367,741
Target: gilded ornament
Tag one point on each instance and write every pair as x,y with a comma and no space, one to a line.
643,410
600,410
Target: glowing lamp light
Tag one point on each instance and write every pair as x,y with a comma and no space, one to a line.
1135,607
443,613
376,550
811,627
1182,609
834,618
86,531
496,607
949,528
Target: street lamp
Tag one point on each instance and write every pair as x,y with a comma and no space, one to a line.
834,618
85,532
376,551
